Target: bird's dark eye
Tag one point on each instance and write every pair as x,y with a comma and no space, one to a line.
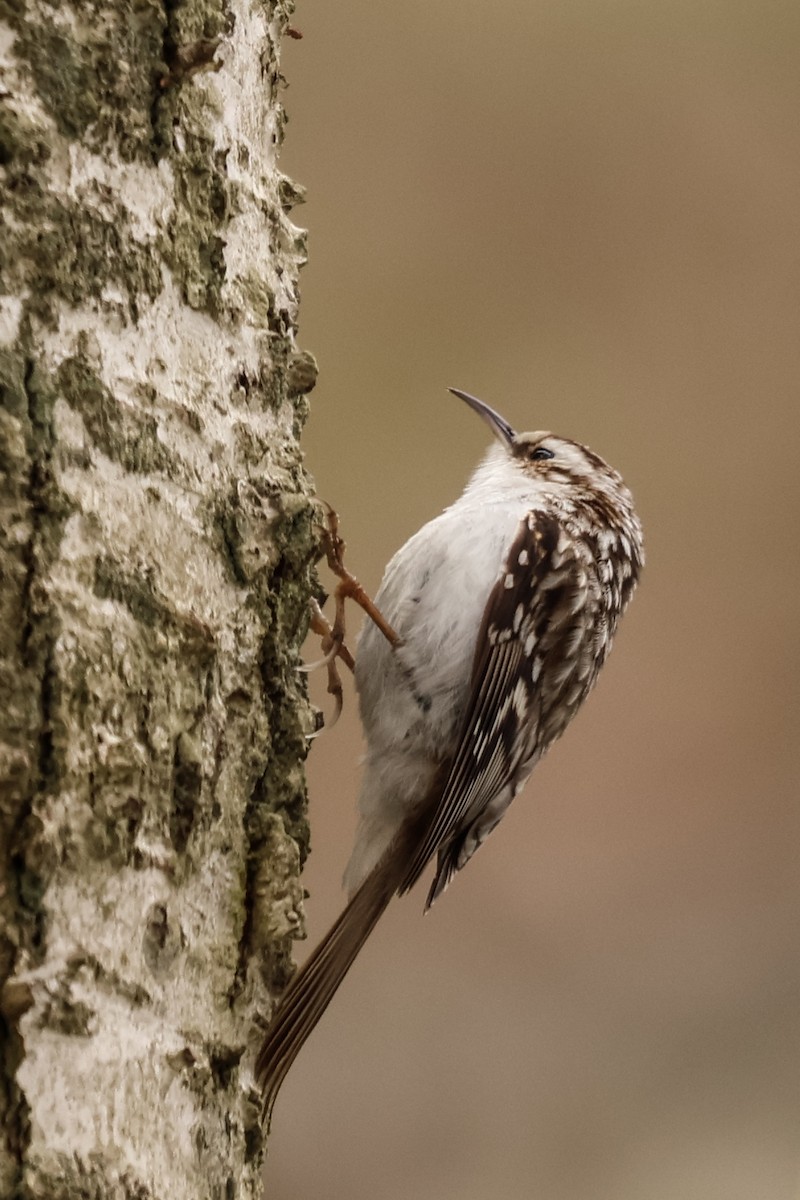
540,453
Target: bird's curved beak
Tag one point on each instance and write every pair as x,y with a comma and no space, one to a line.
498,425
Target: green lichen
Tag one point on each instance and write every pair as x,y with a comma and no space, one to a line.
13,402
64,75
301,373
128,437
46,496
100,86
285,597
196,20
133,591
187,782
22,144
113,85
258,297
280,592
193,242
71,250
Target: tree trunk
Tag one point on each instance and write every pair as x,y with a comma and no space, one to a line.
155,546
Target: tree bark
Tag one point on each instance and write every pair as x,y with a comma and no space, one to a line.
156,537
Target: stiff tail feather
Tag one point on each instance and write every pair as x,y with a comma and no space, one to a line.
314,985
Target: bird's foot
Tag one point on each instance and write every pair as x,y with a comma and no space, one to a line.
333,647
348,587
332,636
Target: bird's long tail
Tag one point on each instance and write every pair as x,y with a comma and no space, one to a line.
314,985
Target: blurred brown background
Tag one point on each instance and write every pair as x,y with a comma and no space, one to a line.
588,214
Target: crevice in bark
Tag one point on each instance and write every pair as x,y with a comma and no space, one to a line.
187,784
13,1108
24,887
37,636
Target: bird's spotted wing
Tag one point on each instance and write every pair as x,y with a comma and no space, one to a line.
499,729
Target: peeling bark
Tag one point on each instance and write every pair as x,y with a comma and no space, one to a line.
156,538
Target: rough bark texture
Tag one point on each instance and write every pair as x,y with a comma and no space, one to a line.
155,542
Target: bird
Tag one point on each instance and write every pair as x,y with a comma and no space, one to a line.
498,615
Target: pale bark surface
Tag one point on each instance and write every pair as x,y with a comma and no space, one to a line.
155,542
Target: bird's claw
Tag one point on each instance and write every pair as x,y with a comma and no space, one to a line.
332,636
307,668
348,587
333,647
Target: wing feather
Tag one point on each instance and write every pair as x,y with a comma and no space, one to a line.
489,745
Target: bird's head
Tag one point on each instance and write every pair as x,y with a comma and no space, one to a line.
559,464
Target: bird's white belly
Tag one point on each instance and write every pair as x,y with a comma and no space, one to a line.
412,700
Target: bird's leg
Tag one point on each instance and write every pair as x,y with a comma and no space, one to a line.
332,636
348,587
332,648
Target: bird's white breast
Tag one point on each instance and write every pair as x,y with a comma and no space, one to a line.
433,594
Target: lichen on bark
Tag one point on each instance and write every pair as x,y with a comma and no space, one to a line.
156,543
